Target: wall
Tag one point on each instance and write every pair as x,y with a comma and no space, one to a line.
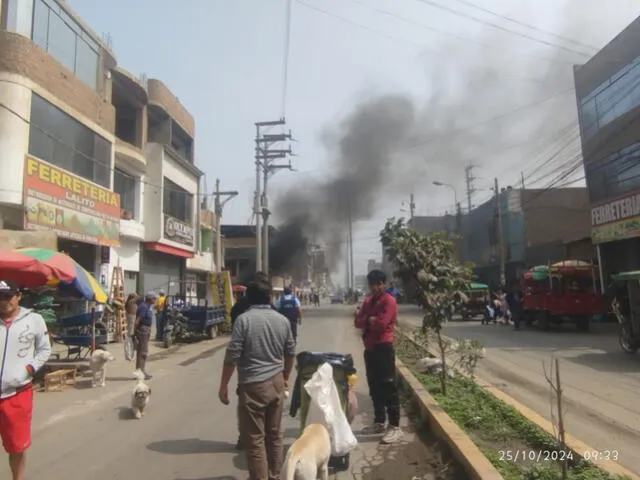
152,199
556,215
19,55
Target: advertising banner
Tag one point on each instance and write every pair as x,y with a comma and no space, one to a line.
73,207
178,231
617,219
222,293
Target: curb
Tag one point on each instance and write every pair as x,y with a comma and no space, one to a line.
577,446
463,450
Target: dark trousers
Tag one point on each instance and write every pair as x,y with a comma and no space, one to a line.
380,364
159,326
294,329
142,336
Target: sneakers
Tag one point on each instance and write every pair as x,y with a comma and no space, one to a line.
374,429
137,373
392,435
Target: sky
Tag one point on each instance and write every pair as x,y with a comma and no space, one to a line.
489,91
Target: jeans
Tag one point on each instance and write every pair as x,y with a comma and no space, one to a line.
159,326
380,365
260,414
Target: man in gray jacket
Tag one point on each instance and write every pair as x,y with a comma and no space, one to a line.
24,349
263,350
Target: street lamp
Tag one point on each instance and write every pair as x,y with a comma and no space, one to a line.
455,193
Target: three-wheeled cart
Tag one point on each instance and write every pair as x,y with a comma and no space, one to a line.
306,365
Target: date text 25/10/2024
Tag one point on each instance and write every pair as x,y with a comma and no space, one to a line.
556,455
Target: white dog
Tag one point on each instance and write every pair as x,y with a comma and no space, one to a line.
140,396
308,457
98,364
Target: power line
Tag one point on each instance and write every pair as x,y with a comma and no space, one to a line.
407,42
526,25
502,28
453,35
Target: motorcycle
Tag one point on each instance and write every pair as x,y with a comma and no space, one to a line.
175,327
629,343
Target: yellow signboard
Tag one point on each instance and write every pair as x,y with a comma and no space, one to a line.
616,219
616,231
223,294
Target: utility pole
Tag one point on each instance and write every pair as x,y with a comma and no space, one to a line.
264,168
412,206
351,275
500,234
522,180
218,207
470,188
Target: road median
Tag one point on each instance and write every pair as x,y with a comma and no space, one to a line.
492,435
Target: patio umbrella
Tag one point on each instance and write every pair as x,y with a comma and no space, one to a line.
67,274
23,270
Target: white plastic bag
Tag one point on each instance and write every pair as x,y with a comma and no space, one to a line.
325,408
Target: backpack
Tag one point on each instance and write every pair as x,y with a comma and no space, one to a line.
289,308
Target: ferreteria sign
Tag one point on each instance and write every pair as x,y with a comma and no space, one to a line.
73,207
617,219
178,231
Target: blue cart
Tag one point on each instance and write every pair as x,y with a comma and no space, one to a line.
188,322
76,333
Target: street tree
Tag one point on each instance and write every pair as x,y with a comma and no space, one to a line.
439,280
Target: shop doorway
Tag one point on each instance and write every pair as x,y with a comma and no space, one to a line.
85,254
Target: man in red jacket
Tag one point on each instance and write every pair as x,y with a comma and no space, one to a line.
377,319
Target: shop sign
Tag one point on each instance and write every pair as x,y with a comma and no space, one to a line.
178,231
73,207
616,219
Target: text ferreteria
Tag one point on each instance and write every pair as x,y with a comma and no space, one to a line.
77,190
616,210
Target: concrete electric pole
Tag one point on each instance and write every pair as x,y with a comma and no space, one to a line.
501,251
470,188
265,166
412,206
218,207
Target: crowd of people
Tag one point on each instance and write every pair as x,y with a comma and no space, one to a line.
505,305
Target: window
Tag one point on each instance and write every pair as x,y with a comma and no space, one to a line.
177,202
618,95
614,175
58,34
125,185
59,139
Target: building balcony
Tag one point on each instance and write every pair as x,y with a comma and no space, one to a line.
202,261
131,228
130,156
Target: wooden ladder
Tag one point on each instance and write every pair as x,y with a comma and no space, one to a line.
117,295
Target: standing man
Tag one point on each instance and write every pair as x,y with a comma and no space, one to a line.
162,298
377,319
25,342
142,332
131,307
263,350
289,306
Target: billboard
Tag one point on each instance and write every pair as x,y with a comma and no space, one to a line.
73,207
616,219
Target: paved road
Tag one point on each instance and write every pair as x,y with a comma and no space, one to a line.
601,383
187,434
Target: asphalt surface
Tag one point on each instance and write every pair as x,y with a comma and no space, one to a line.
601,383
187,434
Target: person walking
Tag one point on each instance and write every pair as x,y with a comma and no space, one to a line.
142,332
240,307
289,306
131,307
377,319
24,339
262,349
160,318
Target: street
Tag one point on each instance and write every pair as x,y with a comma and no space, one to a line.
187,433
601,383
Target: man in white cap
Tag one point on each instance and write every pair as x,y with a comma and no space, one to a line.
25,342
142,334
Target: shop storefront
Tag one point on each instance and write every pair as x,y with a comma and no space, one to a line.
615,230
127,256
84,215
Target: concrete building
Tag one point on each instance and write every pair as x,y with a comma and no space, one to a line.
608,97
102,157
536,224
